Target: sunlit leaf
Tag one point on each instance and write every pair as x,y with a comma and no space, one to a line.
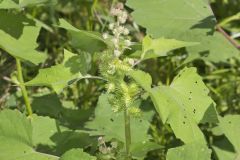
192,151
59,76
16,138
77,154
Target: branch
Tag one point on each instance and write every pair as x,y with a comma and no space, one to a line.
231,40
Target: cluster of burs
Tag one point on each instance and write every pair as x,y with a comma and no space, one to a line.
123,92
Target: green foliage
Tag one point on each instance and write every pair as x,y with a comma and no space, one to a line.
22,37
193,21
230,127
190,151
16,138
183,104
81,39
160,47
133,69
59,76
77,154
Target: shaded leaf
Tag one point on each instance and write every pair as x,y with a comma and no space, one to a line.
81,39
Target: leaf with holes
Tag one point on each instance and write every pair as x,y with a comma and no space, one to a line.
184,104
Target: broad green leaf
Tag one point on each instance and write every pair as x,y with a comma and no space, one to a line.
84,40
142,78
140,150
184,104
77,154
43,129
175,19
111,124
160,47
16,138
230,125
192,21
59,76
216,49
19,36
192,151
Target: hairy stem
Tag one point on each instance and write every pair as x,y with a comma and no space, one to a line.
127,134
23,87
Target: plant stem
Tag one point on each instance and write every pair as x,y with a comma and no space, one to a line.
127,134
23,87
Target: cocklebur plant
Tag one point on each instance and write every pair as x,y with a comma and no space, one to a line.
58,130
123,94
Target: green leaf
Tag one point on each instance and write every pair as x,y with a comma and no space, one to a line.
138,75
20,40
224,150
77,62
13,4
153,48
50,105
216,49
27,3
77,154
192,151
8,4
140,150
43,129
177,19
192,21
110,124
67,140
16,138
230,125
58,76
81,39
183,105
